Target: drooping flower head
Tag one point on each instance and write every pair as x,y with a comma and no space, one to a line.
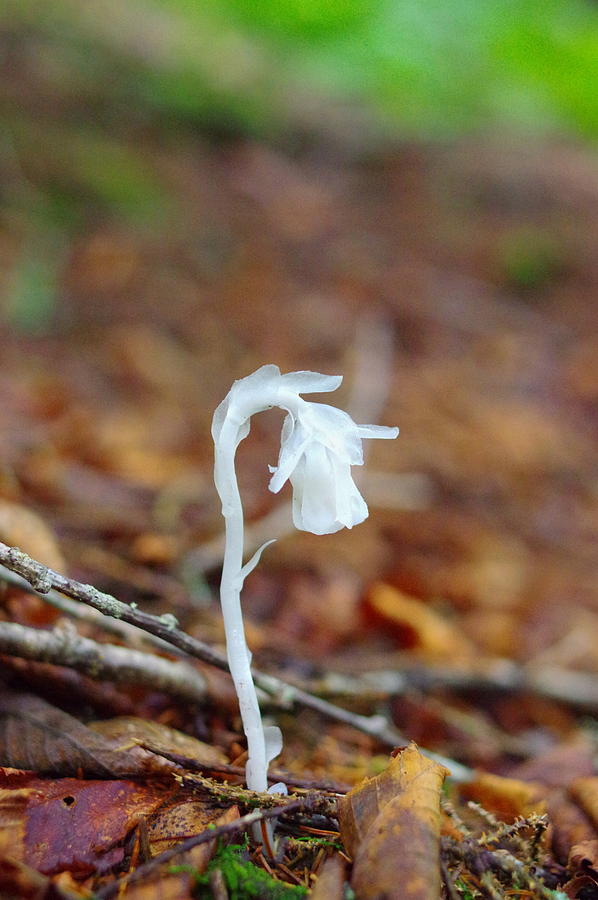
319,444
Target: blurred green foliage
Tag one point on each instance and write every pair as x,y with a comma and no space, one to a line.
86,86
433,68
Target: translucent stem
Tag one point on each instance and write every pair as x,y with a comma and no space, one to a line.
239,658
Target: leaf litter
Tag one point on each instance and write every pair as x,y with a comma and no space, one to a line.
105,475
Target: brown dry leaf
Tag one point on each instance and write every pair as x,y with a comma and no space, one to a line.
331,880
130,731
38,736
77,826
570,825
507,798
391,826
70,824
183,818
176,886
559,765
417,625
174,824
16,792
585,792
20,527
584,856
19,881
583,861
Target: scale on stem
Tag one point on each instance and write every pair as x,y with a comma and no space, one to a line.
319,444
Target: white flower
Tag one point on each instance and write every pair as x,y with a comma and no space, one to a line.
319,445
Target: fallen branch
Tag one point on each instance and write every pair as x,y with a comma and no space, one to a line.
501,676
314,802
281,693
64,646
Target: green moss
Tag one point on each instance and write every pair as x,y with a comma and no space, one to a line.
244,880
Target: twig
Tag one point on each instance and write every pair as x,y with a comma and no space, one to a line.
283,694
132,634
64,646
240,824
274,775
579,689
480,860
314,802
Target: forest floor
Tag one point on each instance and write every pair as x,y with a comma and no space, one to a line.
454,287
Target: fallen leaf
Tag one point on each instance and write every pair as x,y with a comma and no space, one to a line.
70,824
506,798
19,881
585,792
78,826
559,765
583,861
130,731
391,826
181,819
14,800
175,886
38,736
173,824
330,884
585,856
570,825
21,527
416,625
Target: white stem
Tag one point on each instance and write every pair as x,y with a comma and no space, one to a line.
239,658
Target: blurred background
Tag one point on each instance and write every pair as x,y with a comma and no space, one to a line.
404,193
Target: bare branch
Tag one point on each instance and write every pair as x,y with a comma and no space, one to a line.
282,694
64,646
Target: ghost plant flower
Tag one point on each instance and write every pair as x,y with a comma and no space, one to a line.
319,444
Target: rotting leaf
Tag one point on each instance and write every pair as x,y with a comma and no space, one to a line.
38,736
391,825
78,826
69,824
560,764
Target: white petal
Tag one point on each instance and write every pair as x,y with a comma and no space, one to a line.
292,449
297,480
335,429
377,431
310,382
316,483
350,505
